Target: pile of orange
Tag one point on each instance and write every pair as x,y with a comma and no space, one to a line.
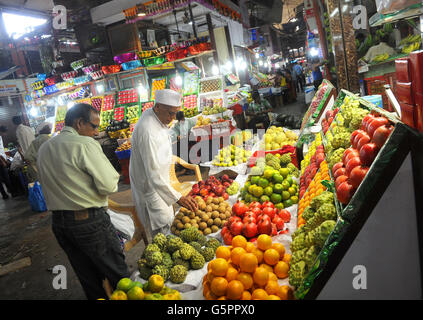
244,271
314,189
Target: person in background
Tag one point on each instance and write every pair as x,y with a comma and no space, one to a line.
317,76
77,178
149,166
182,128
298,70
24,134
258,111
378,49
43,134
4,168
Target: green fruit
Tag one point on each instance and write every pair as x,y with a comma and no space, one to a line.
285,195
268,191
284,172
276,198
279,206
255,180
285,185
277,178
248,198
124,284
264,198
292,191
287,203
294,199
278,188
290,180
263,183
258,192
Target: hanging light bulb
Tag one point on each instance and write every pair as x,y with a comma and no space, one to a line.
260,62
257,56
100,88
215,70
178,80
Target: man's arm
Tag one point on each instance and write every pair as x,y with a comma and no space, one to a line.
95,163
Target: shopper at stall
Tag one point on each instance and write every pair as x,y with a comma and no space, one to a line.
43,134
4,168
151,158
24,134
317,76
258,111
76,178
298,70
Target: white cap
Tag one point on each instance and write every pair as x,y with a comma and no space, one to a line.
41,126
168,97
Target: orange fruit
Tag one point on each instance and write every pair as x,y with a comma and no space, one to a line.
286,258
272,276
285,293
236,255
246,295
246,279
219,267
279,247
281,269
210,296
250,247
272,297
210,276
235,290
206,288
272,287
223,252
259,294
259,254
267,267
248,262
264,242
218,286
231,274
223,298
271,257
261,276
239,241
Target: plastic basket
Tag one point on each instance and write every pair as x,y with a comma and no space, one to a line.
69,75
154,61
145,54
76,65
97,74
199,48
52,80
125,154
91,68
131,65
111,69
177,54
125,57
37,85
50,89
81,79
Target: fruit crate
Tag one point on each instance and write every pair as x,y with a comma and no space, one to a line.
132,112
127,96
146,105
97,102
157,84
119,113
108,103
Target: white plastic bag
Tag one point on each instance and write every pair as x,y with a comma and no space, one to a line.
122,223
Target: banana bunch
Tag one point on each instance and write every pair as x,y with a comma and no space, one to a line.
412,47
380,57
410,39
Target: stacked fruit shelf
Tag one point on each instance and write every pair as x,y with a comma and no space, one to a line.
368,154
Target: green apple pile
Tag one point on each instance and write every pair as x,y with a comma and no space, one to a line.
231,156
213,110
105,118
190,112
276,186
132,113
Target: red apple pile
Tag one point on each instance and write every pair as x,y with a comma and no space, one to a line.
356,161
311,170
212,187
329,117
253,220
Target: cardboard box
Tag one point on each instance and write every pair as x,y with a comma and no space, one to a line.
407,114
403,92
402,67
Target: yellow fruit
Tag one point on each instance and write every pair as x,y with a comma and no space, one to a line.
136,293
155,283
118,295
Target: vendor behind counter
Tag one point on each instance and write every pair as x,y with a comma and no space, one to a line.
258,111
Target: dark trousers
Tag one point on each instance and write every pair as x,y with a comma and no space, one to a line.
4,178
93,249
317,83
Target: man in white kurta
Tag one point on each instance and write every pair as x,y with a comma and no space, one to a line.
151,157
24,134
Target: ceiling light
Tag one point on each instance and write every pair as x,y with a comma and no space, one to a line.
257,56
260,62
178,81
215,70
100,88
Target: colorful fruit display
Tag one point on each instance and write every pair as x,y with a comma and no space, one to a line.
212,187
153,289
105,118
307,241
210,217
202,121
124,146
108,103
132,113
212,106
210,85
276,137
310,171
231,156
315,103
245,271
128,96
119,113
172,257
314,189
356,160
190,102
157,84
329,117
254,220
267,183
147,105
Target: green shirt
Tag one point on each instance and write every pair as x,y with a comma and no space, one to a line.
31,155
74,172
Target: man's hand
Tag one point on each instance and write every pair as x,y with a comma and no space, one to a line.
188,203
